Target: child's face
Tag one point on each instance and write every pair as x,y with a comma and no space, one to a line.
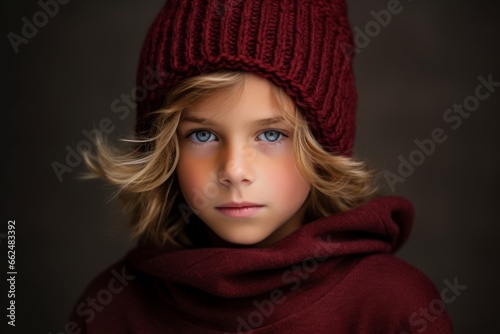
237,160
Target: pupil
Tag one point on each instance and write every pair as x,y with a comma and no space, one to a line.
202,135
271,137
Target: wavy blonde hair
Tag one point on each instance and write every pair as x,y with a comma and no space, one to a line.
144,171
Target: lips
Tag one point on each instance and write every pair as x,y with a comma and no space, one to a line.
239,205
241,212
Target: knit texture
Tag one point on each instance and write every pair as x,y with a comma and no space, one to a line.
298,45
333,275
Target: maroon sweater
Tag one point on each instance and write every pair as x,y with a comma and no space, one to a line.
333,275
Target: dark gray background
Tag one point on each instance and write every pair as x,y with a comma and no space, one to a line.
64,80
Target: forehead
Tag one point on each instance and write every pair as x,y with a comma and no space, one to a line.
193,118
256,98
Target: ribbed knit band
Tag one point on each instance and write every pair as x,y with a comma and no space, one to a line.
299,45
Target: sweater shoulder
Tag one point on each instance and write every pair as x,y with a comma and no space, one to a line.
394,277
103,297
395,296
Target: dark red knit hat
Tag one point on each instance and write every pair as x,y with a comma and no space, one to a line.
299,45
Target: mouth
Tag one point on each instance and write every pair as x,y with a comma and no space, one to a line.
238,205
240,212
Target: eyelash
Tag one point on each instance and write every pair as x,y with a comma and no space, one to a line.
277,142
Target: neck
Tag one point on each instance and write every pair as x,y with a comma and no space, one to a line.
216,241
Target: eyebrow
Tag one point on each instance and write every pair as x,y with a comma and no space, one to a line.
259,122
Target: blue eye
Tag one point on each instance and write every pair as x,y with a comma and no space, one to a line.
200,136
272,135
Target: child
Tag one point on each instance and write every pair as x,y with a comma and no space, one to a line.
251,213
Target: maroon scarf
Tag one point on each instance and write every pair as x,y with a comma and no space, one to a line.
319,279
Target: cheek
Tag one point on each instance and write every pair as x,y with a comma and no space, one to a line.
286,180
192,175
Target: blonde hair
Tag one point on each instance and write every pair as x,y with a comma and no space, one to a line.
144,173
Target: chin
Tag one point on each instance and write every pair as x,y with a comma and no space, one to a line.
245,240
237,235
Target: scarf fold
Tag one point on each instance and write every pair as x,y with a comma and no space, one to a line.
210,284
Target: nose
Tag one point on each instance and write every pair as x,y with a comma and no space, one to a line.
236,165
